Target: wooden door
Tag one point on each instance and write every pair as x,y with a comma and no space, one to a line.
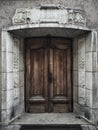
48,75
60,69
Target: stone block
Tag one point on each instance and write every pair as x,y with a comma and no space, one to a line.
81,79
75,46
19,109
81,44
89,61
0,41
9,62
88,97
97,41
75,62
75,93
16,80
3,82
94,61
16,96
81,62
6,43
92,80
88,42
9,42
6,81
95,116
16,44
9,81
87,113
3,62
21,49
21,78
0,82
81,100
95,99
22,94
3,42
13,127
94,41
78,109
81,95
0,62
89,82
15,62
10,113
4,99
97,62
3,115
81,92
10,98
9,127
75,78
21,61
95,80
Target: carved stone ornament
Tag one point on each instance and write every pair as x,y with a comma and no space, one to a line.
49,14
22,16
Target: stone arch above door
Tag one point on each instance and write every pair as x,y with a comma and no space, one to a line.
53,14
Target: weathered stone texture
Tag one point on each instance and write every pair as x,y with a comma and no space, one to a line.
10,83
89,6
86,104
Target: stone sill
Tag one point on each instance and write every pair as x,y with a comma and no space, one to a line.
49,119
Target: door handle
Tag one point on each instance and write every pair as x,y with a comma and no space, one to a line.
50,77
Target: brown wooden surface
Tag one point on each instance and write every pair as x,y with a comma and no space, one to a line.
48,75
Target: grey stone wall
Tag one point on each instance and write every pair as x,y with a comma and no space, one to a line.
8,7
85,75
12,76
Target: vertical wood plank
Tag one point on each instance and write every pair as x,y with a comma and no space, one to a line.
40,61
69,89
65,73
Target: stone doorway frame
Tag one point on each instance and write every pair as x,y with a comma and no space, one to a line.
84,74
85,67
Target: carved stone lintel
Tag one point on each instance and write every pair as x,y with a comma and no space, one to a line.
79,18
76,17
55,13
22,16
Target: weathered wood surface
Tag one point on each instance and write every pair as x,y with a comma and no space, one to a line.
48,75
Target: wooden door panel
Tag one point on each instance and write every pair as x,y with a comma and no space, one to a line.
69,80
48,75
59,98
37,60
61,95
37,98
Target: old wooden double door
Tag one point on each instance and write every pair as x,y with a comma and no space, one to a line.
48,75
